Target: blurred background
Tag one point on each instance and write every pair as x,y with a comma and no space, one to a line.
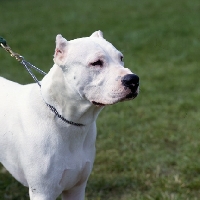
148,148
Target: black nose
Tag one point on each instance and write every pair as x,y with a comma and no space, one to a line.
131,81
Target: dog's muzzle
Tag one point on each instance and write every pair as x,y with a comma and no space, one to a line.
131,81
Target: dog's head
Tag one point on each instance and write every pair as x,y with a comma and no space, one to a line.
93,70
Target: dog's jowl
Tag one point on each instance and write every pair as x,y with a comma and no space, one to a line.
48,133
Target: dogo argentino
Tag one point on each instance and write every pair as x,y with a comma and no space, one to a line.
48,133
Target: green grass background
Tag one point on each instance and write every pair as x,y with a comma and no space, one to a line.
149,148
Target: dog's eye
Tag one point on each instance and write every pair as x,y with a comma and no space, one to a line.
122,58
97,63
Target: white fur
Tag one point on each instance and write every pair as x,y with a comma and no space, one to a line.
40,150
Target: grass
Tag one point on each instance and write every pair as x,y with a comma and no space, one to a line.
147,149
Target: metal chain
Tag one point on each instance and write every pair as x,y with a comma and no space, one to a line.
53,109
27,65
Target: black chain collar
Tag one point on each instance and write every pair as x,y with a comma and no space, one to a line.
53,109
28,67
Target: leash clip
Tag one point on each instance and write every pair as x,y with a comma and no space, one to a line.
17,56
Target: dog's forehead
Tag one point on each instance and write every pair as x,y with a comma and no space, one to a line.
91,44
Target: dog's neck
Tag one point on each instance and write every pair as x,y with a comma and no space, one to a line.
65,100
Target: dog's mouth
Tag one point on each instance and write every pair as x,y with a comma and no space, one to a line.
98,104
126,98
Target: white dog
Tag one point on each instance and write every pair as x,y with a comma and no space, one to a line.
48,133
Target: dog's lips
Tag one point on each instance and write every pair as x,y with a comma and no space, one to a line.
97,103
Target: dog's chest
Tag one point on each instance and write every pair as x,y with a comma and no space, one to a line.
75,176
78,152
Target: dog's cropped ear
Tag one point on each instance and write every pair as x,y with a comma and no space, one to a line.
98,34
61,50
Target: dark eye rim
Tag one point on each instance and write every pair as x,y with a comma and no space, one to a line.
122,58
97,63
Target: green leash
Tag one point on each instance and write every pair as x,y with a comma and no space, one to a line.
5,46
3,41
